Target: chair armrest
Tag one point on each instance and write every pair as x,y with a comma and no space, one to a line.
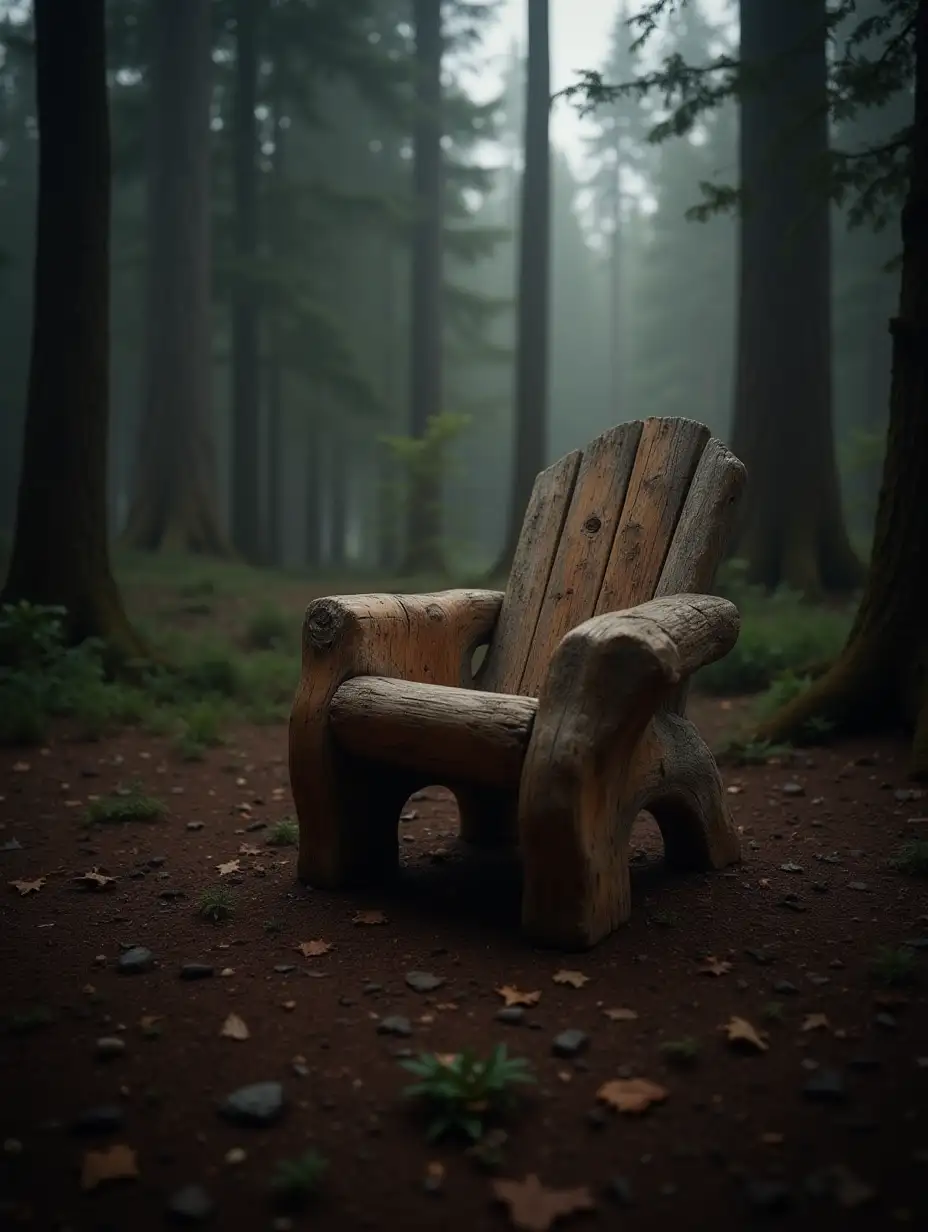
428,638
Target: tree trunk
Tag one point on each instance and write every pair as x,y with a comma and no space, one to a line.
615,286
60,548
423,536
531,386
175,500
792,532
312,554
274,367
246,394
880,680
338,499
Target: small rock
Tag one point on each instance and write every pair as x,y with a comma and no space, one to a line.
858,885
394,1025
597,1118
423,981
886,1021
790,867
785,988
191,1204
135,961
197,971
514,1015
793,789
261,1103
254,826
284,968
104,1119
761,957
236,1156
194,825
620,1191
768,1195
819,980
110,1046
570,1043
826,1086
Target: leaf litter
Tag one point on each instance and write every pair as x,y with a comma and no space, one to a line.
534,1208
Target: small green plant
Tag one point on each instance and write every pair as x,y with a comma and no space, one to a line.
285,834
682,1052
755,752
894,967
124,805
216,904
198,729
30,1020
462,1091
273,927
773,1011
912,858
268,629
296,1180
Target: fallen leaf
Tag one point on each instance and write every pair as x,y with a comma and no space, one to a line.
631,1094
230,866
114,1163
512,996
620,1015
235,1028
94,880
740,1032
314,949
816,1022
535,1209
576,979
447,1005
369,917
714,966
249,849
28,887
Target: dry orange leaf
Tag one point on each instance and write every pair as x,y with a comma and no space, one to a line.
620,1015
314,949
631,1094
741,1033
369,917
535,1209
230,866
714,966
816,1022
28,887
114,1163
576,979
249,849
512,996
235,1028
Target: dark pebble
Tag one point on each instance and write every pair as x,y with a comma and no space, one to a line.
102,1120
771,1196
394,1025
619,1190
597,1118
570,1043
135,961
514,1015
261,1103
826,1086
424,981
254,826
886,1021
785,988
284,968
196,971
191,1204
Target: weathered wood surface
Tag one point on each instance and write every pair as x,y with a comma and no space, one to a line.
528,577
348,817
597,757
454,734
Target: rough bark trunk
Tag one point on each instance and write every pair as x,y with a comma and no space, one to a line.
175,499
60,550
531,384
312,553
881,678
793,532
338,499
275,377
423,535
245,370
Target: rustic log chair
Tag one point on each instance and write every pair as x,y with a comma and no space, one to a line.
576,721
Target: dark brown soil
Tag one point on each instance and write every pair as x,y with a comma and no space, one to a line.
730,1120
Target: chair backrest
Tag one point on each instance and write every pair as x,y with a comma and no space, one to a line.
643,511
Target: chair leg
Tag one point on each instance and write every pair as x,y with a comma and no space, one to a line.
687,800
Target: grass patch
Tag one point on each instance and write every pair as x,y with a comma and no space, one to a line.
773,1011
217,904
269,629
462,1091
285,834
681,1052
912,858
295,1181
124,805
894,967
754,752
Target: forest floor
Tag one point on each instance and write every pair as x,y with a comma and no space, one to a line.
116,1063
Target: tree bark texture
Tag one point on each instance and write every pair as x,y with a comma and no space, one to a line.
793,530
175,500
60,550
880,680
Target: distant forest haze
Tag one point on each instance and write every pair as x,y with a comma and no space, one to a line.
277,286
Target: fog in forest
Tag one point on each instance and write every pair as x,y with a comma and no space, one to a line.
308,164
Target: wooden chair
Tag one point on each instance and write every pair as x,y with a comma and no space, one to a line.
574,722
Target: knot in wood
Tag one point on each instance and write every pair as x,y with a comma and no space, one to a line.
434,611
592,525
324,623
